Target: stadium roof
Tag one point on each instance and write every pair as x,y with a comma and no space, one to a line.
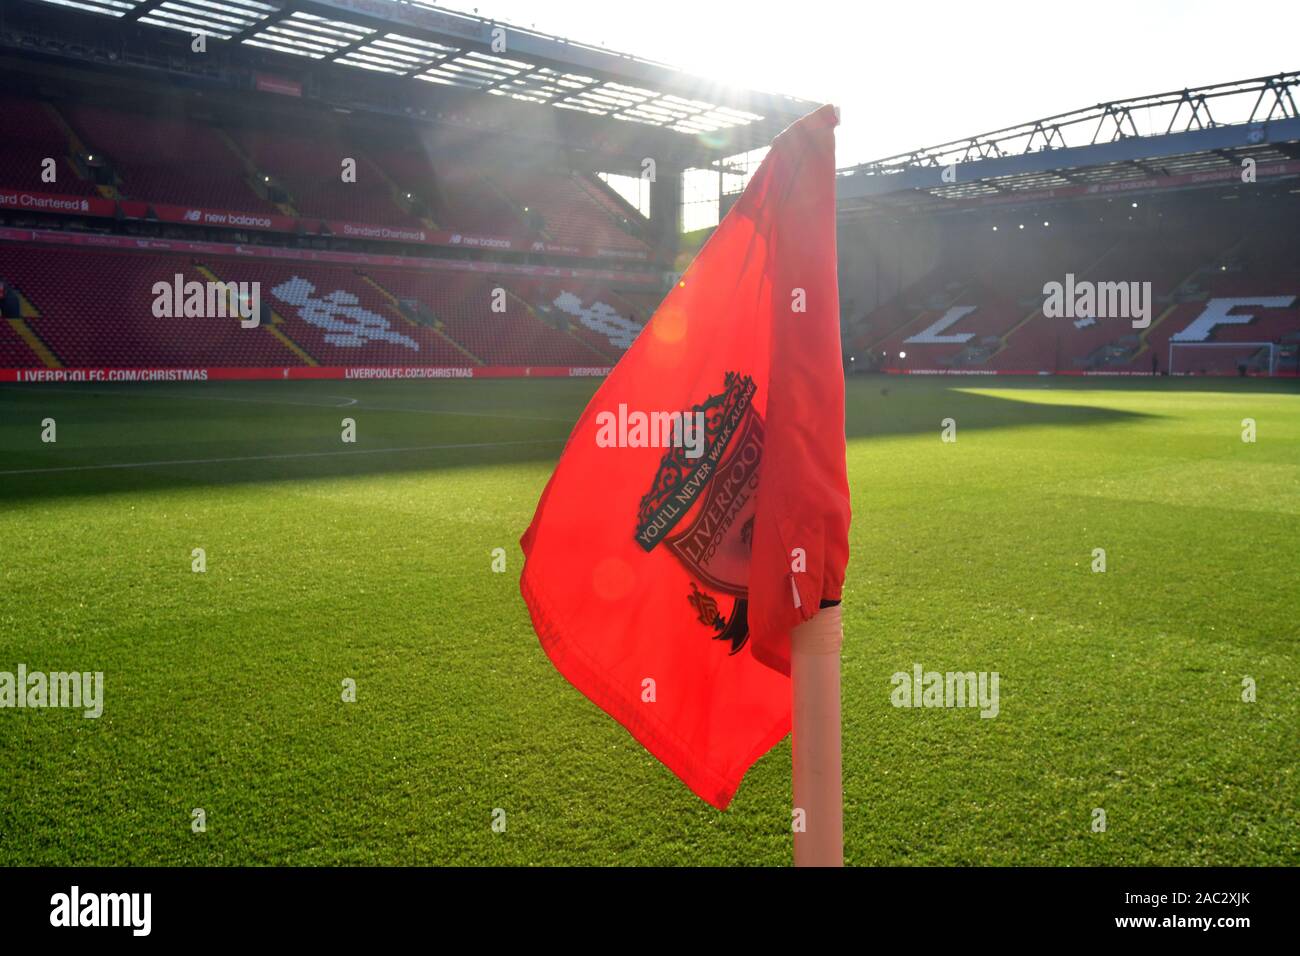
415,40
1193,136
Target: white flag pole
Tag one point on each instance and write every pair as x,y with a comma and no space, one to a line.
818,790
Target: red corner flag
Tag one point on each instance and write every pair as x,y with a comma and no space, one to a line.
700,510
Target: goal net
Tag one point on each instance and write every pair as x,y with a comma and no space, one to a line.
1222,358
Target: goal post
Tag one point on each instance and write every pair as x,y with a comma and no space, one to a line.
1222,358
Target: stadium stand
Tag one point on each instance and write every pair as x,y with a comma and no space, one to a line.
566,211
14,350
32,133
104,317
470,188
463,307
641,305
467,200
311,314
170,159
91,307
592,314
614,204
478,233
948,253
981,308
310,171
185,161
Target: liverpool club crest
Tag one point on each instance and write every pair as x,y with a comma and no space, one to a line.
702,509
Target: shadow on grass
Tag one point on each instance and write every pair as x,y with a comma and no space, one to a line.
888,405
136,439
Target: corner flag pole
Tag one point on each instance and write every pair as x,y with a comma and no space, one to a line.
818,790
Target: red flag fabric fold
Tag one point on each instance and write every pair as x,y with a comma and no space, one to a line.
700,509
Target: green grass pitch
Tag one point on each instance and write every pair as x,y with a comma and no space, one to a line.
1119,690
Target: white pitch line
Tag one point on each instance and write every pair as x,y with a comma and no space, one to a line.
347,404
305,454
